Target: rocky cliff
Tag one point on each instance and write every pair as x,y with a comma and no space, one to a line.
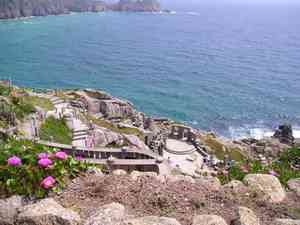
26,8
138,5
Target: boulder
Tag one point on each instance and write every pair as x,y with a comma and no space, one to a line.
212,182
110,214
208,220
267,186
245,216
9,209
105,137
119,172
235,187
294,185
135,141
136,174
179,178
151,220
286,222
285,134
47,212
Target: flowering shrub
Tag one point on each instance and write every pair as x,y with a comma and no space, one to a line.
34,170
286,167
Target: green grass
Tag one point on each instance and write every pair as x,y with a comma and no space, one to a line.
218,149
56,129
110,126
41,102
4,90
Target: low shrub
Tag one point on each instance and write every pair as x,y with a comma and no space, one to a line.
34,170
286,167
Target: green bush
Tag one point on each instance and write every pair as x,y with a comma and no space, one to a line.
286,167
56,130
26,178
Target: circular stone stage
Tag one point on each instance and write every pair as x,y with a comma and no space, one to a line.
179,147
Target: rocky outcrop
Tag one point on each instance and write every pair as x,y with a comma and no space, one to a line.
26,8
212,182
294,185
135,141
135,175
208,220
151,220
245,216
110,214
119,172
286,222
138,5
285,134
47,212
9,209
235,187
105,137
267,186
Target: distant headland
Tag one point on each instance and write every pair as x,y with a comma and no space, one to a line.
27,8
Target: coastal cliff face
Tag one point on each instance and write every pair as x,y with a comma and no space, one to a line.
139,5
25,8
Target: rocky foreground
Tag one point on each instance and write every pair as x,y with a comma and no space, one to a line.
26,8
151,199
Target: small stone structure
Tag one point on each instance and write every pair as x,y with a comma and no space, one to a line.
181,132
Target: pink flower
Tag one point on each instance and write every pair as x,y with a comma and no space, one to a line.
273,173
244,169
225,172
42,155
61,155
48,182
45,162
79,158
14,161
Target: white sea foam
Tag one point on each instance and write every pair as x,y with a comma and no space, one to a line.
237,133
193,13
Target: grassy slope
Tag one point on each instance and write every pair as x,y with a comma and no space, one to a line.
56,129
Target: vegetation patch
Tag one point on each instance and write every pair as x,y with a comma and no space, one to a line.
44,103
56,130
34,170
286,167
220,150
112,127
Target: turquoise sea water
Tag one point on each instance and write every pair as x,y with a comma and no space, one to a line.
227,69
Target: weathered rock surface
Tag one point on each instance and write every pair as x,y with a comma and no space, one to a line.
267,186
47,212
285,134
119,172
208,220
286,222
135,141
235,187
136,175
245,216
110,214
138,6
151,220
179,178
105,137
212,182
26,8
9,209
294,185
